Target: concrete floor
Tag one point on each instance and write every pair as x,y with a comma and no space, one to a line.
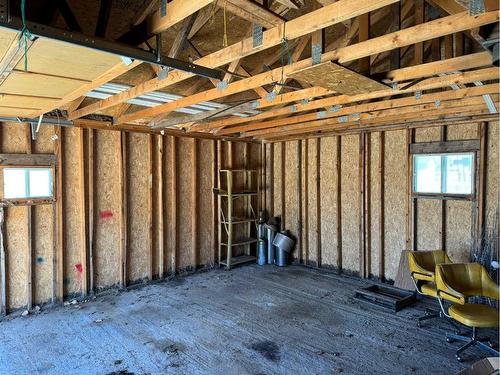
250,320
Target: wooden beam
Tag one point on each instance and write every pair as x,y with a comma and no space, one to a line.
319,252
300,26
381,174
203,16
58,257
338,193
82,205
481,193
173,208
444,97
271,180
306,201
177,10
194,204
219,200
361,201
30,277
121,149
160,227
443,138
410,138
283,185
368,205
214,205
300,221
363,35
90,206
252,12
387,42
27,160
103,18
68,15
150,198
419,19
3,268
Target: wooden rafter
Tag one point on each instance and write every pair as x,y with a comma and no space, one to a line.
427,31
300,26
177,10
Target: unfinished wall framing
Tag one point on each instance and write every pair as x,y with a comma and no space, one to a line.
123,214
362,227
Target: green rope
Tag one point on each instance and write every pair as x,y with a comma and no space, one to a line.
25,35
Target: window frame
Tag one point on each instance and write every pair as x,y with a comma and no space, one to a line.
444,149
28,162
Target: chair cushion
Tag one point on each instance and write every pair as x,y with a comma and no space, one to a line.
475,315
429,289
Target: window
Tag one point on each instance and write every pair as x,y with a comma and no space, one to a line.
27,183
450,174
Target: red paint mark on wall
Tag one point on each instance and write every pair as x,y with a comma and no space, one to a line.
107,214
79,267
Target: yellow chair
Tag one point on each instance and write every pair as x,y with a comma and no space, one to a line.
422,266
455,283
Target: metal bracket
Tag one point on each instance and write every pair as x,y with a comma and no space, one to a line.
418,95
163,73
343,119
257,35
293,108
320,114
316,51
304,101
271,96
437,103
163,8
355,116
255,104
335,108
222,85
476,7
127,60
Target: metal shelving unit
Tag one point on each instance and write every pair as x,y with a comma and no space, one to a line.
229,219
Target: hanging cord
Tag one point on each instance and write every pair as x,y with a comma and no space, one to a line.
25,35
224,40
285,54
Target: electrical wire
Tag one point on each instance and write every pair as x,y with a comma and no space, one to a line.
25,35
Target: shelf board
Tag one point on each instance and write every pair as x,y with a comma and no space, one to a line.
239,260
241,242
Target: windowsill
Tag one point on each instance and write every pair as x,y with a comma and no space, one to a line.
26,202
458,197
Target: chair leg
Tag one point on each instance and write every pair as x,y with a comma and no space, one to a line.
470,341
428,315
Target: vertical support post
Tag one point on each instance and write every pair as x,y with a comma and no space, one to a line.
150,207
229,254
283,201
3,276
410,202
381,171
215,210
443,136
123,176
173,199
368,205
299,198
271,179
395,26
339,202
306,201
318,203
159,207
362,250
194,203
82,205
58,259
219,199
481,184
90,206
29,258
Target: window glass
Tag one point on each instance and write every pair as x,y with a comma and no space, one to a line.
443,173
14,183
458,174
40,183
24,183
427,173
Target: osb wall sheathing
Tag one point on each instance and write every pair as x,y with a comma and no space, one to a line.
138,195
107,241
328,201
350,202
395,199
292,176
107,213
312,202
73,264
13,137
374,190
